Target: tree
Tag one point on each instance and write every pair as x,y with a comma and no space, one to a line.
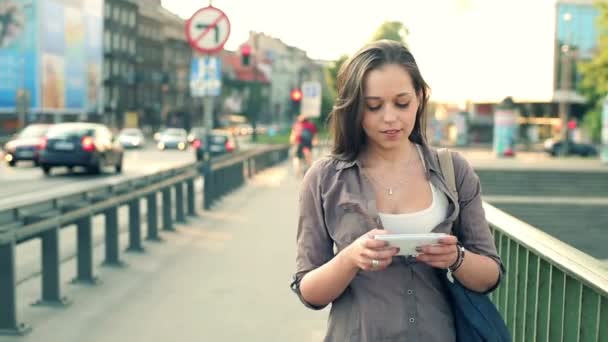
392,30
594,83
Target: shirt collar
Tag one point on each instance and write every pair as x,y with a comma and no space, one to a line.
429,155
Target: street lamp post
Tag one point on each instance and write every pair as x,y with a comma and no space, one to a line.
565,85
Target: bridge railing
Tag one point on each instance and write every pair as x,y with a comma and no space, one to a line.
42,219
552,291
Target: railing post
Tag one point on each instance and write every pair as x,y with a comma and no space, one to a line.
208,192
179,203
134,227
167,217
152,217
8,298
191,197
51,288
112,238
84,259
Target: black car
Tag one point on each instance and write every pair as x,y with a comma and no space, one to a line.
26,144
80,144
578,149
222,142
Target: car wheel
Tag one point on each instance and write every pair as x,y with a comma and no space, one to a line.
46,169
70,169
12,163
118,166
95,168
36,162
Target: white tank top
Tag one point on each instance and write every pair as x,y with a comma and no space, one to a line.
422,221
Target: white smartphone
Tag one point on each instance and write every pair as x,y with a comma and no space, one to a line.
407,243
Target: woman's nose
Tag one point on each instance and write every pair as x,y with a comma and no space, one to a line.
389,114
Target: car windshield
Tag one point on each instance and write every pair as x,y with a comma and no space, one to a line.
35,131
69,131
131,132
175,132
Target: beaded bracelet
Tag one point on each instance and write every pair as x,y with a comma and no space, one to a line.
459,260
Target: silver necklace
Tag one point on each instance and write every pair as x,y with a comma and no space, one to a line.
390,189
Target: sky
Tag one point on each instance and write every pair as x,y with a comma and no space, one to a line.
478,50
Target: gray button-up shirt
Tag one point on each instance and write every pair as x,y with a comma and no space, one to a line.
406,301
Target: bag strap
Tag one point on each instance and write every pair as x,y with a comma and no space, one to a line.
447,169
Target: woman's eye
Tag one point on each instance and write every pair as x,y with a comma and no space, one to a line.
402,105
374,108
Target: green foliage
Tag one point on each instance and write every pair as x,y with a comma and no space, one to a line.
392,30
593,123
594,83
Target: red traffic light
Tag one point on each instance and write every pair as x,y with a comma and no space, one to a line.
296,95
246,49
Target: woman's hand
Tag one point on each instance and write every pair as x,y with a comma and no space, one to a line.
442,255
369,254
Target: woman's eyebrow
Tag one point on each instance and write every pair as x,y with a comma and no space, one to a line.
380,98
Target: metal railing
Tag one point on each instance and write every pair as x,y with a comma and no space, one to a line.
43,220
551,291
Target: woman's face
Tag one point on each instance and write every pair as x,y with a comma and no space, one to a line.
390,105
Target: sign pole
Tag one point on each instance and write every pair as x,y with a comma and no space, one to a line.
208,117
604,132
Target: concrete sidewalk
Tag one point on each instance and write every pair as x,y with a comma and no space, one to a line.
224,276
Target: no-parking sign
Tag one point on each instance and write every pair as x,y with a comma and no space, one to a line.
208,30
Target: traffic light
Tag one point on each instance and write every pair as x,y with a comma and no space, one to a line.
245,54
296,95
296,98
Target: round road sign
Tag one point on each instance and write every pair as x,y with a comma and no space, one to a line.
208,30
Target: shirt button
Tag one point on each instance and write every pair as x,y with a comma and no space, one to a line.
410,292
412,320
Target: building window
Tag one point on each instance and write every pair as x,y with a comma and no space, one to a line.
124,44
115,68
132,19
116,41
107,10
106,69
116,14
107,41
132,46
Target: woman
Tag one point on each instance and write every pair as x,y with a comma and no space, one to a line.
383,177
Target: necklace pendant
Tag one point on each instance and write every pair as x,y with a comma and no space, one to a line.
390,191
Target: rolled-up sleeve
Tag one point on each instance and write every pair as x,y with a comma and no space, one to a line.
314,245
473,228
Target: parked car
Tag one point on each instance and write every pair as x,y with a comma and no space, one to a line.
222,142
80,144
25,146
554,148
176,138
131,138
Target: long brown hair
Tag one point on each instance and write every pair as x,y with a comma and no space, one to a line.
347,114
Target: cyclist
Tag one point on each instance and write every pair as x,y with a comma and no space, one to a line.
303,137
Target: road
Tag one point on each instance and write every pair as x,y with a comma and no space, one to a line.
24,182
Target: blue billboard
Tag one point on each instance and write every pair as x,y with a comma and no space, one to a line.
52,49
71,55
18,55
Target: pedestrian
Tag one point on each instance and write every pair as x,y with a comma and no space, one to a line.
383,177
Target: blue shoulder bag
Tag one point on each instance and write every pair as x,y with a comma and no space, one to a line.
475,316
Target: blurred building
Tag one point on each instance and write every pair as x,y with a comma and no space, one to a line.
149,64
120,57
287,67
176,104
575,39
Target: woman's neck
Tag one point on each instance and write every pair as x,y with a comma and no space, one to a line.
376,156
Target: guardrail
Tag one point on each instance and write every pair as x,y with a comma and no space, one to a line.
43,220
552,291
